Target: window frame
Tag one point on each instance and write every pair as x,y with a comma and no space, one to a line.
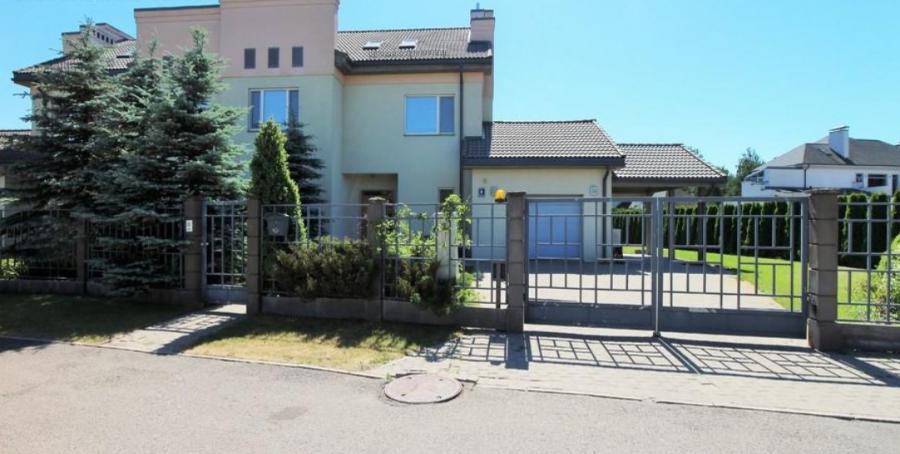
437,98
882,176
262,104
250,63
295,51
273,63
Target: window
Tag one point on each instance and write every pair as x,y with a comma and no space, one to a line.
444,193
859,178
409,43
430,115
273,57
249,58
280,105
876,180
372,45
297,57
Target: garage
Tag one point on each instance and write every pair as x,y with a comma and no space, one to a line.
554,229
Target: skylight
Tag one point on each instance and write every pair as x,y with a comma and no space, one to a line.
372,45
409,43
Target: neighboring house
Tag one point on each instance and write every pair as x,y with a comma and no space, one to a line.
836,161
8,155
405,114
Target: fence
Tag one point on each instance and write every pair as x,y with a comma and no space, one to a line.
38,245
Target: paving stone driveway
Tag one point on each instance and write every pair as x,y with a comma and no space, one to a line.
173,336
709,370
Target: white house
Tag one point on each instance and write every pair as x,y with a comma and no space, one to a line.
835,161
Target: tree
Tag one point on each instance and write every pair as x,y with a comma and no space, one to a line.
304,166
748,162
270,178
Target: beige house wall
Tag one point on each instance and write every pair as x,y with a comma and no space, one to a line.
171,29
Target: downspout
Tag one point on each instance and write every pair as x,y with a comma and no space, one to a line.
603,194
461,132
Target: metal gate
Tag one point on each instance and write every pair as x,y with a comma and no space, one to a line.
225,251
694,264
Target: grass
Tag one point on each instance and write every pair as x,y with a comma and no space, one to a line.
77,319
347,345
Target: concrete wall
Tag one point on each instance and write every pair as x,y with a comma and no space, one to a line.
565,182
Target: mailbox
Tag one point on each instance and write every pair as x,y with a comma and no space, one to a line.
277,224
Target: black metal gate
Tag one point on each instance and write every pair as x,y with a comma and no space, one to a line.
225,251
694,264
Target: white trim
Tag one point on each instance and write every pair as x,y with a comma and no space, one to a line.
262,104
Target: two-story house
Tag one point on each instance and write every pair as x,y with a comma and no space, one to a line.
407,114
835,161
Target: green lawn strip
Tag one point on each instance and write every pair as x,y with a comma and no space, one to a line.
78,319
339,344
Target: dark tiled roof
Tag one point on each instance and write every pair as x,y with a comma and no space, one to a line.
863,152
432,44
559,141
118,56
658,161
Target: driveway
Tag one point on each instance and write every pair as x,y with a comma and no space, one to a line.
60,398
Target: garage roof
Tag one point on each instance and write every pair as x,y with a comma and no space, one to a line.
559,143
665,161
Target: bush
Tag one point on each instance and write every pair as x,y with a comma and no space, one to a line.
11,268
855,230
327,268
881,279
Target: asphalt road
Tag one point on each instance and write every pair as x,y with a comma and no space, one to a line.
60,398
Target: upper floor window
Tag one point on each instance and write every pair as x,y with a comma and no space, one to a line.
249,58
430,115
273,57
297,57
876,180
280,105
859,178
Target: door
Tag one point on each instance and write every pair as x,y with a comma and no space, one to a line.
554,229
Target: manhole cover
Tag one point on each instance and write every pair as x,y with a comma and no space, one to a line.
422,389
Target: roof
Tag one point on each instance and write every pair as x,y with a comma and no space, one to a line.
664,161
118,56
863,152
542,143
432,44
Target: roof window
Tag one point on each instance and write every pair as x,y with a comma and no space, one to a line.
409,43
372,45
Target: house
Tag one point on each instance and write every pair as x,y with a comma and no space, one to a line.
835,161
8,155
406,114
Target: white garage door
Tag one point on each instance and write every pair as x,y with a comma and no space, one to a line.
554,229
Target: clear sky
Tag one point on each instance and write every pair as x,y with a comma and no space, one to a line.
719,75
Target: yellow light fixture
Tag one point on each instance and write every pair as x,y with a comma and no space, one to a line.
500,196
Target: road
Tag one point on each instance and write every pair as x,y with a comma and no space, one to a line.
61,398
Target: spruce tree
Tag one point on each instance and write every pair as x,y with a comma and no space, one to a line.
304,166
270,178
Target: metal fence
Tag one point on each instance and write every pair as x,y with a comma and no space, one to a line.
38,244
869,262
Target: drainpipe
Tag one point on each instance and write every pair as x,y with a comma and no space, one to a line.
603,194
461,132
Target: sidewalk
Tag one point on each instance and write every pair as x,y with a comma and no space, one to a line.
741,372
175,335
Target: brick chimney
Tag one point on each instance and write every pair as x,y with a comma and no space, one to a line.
839,140
482,25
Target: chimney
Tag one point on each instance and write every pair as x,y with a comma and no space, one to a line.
482,26
839,140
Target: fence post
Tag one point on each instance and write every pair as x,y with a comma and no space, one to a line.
193,255
516,262
374,216
822,332
81,256
253,268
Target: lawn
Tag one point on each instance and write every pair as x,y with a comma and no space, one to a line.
778,272
77,319
347,345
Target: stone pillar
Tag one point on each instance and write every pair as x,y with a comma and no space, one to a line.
253,269
822,332
81,256
374,216
516,262
193,254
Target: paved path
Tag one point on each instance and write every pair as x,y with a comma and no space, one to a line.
70,399
708,370
175,335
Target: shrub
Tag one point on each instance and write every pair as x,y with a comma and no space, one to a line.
630,222
855,236
879,217
327,267
11,268
882,278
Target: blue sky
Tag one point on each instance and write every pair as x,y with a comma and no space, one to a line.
719,75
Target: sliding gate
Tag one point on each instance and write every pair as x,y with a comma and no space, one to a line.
710,264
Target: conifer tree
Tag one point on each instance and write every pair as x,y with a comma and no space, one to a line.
304,166
270,178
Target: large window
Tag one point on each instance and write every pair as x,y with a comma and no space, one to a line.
277,104
876,180
430,115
